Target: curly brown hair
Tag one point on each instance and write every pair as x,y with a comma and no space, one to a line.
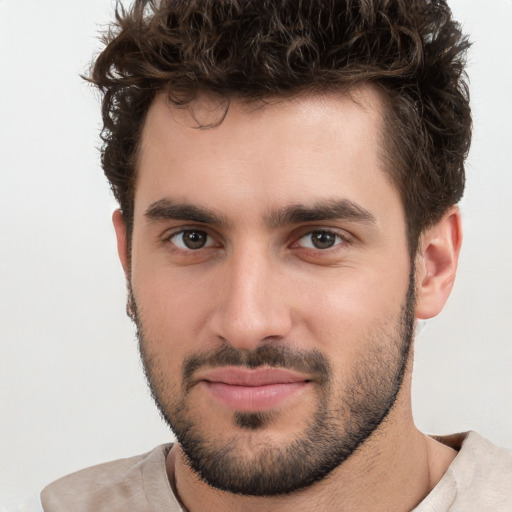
412,50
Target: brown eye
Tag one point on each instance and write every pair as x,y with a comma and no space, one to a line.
320,240
191,239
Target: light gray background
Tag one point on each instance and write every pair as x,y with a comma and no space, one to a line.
71,387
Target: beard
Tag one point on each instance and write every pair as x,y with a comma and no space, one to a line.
346,412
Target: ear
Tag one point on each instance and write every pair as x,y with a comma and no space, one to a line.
436,264
122,251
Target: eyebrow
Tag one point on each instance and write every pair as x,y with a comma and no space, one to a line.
166,209
324,210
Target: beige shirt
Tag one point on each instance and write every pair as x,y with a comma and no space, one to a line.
478,480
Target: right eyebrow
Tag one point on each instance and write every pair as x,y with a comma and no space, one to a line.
165,209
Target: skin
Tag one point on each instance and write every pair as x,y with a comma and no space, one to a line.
303,150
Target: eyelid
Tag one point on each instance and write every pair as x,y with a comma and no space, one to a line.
346,238
169,234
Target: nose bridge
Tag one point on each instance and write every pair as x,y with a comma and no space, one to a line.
252,308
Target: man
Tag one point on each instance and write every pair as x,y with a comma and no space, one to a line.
287,174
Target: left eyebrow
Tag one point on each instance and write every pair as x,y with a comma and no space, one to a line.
335,209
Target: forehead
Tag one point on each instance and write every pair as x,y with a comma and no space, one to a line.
284,151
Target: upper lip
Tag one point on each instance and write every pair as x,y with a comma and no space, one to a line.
235,376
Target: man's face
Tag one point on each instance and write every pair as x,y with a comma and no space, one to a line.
271,285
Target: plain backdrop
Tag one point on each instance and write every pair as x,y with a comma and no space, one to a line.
71,387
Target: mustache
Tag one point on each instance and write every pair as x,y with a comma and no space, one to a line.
311,362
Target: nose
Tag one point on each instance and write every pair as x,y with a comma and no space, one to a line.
252,308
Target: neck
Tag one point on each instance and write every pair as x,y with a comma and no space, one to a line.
393,470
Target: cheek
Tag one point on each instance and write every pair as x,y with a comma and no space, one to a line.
350,309
173,307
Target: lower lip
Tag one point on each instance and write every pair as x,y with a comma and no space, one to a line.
254,398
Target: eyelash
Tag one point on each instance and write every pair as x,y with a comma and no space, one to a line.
342,240
182,231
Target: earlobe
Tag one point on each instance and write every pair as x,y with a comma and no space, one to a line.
436,264
120,229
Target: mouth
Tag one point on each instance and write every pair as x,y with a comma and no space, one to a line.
252,390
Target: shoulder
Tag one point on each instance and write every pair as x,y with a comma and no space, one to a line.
479,478
483,463
486,469
117,485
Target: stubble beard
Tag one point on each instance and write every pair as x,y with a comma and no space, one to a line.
345,416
